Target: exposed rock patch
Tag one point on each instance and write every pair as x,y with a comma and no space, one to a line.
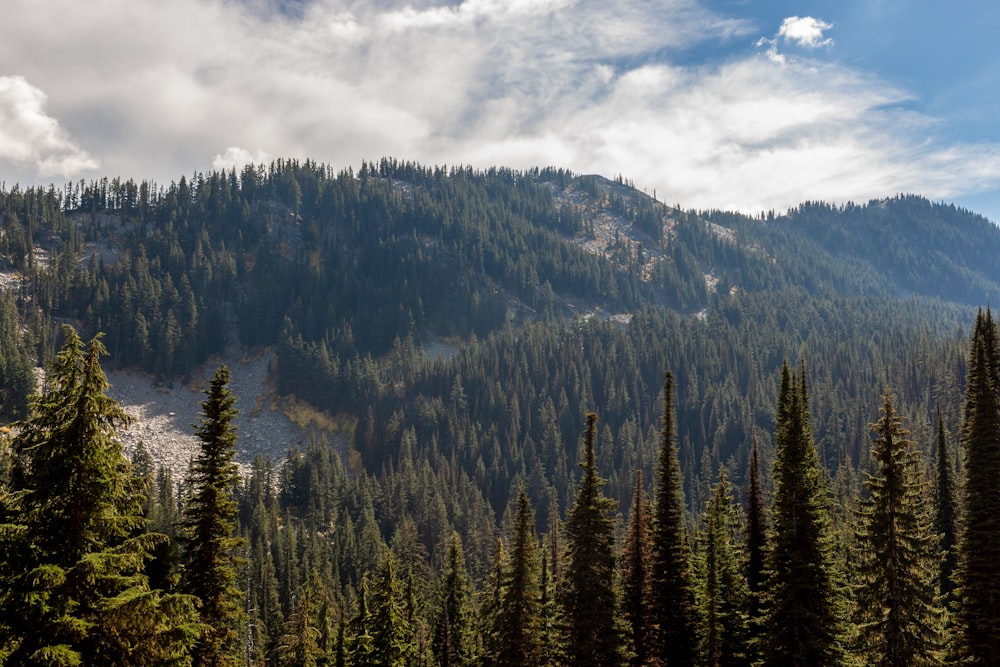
165,414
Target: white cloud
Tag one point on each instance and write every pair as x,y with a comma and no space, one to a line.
582,84
28,135
235,158
805,31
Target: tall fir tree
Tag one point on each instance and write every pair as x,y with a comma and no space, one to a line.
756,553
209,524
551,642
391,634
804,626
945,512
73,588
637,580
453,623
724,593
898,619
674,613
516,640
978,611
298,645
491,600
588,595
360,646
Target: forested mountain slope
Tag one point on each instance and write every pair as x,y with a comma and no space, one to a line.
453,329
349,276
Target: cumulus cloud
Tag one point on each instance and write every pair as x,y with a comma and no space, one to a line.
235,158
805,31
28,135
582,84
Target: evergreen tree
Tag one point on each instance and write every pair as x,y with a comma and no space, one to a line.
550,639
804,623
516,641
491,600
453,625
73,590
209,523
756,553
638,572
339,658
588,596
391,634
897,616
298,646
361,646
724,591
978,593
945,512
674,615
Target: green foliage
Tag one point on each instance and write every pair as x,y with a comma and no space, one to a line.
898,618
74,590
357,279
209,524
756,554
978,610
945,512
453,625
637,580
391,634
723,595
805,604
298,646
674,613
514,638
588,594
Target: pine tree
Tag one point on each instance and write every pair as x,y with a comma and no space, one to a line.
638,561
491,600
945,512
453,625
550,640
724,592
391,633
298,645
361,644
516,641
756,553
73,589
898,619
978,593
590,606
804,620
674,614
209,523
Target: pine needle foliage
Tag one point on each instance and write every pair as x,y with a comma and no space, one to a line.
723,588
804,618
945,512
756,552
898,618
453,625
638,563
674,612
209,522
516,640
978,612
592,623
74,589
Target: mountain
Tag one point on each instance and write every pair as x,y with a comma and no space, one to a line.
472,318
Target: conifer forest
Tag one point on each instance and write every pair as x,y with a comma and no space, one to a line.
564,424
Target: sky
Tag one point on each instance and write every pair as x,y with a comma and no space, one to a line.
726,104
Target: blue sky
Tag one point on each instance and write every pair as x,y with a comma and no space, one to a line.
724,104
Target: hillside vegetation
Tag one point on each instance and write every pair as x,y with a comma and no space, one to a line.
454,328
